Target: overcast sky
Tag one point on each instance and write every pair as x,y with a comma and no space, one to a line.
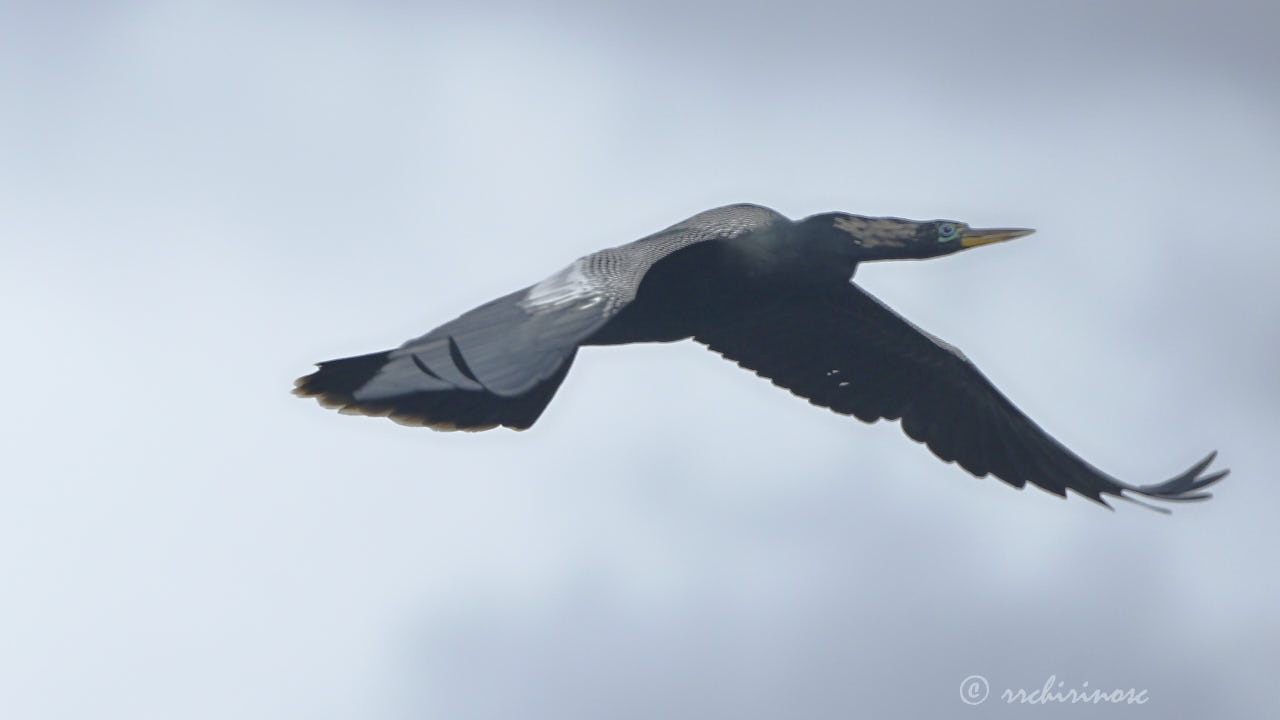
199,199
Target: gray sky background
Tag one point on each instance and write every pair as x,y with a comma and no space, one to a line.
200,199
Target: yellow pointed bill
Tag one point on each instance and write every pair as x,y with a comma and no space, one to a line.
974,237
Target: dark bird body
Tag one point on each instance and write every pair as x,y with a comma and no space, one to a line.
771,294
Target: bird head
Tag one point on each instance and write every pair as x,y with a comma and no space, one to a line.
865,238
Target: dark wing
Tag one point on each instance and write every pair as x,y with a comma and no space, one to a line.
848,352
500,363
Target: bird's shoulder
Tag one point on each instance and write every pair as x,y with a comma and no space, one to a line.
722,223
727,221
610,278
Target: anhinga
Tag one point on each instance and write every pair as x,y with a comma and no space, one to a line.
771,294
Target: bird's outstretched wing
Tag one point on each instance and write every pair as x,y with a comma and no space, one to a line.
460,376
847,351
500,363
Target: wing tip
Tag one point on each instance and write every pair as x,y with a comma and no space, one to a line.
1185,487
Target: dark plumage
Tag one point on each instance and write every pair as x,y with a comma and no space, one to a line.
773,295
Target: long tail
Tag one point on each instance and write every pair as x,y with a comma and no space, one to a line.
429,401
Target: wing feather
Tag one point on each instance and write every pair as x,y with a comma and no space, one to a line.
847,351
500,363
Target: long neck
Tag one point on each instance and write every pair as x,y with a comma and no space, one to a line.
815,251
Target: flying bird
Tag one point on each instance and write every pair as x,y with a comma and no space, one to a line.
773,295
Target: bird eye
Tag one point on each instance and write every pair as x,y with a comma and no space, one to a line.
946,231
